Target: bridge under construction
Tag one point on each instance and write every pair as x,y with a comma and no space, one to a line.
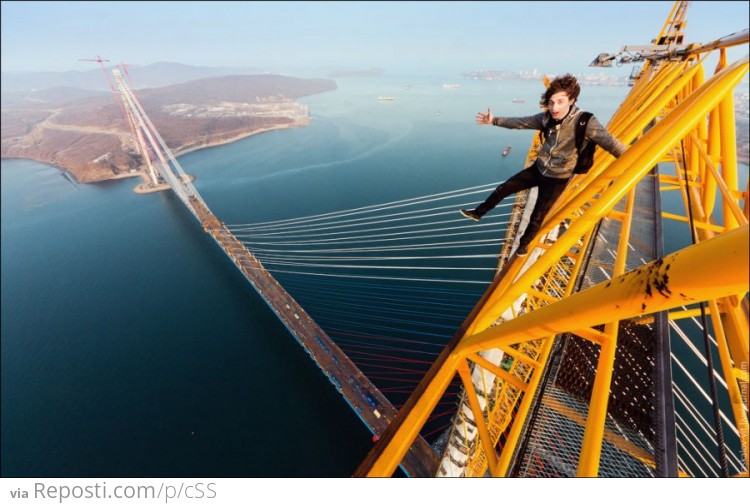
566,365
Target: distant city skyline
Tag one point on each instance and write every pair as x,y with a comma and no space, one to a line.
400,37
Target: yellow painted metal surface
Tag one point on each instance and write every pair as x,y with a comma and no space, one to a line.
625,296
674,113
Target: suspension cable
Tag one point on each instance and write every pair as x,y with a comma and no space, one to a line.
372,208
706,341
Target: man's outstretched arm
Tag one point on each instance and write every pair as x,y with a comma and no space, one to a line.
601,137
534,122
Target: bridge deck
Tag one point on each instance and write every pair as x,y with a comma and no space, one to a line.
369,404
363,397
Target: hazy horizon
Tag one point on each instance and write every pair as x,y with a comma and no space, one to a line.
399,37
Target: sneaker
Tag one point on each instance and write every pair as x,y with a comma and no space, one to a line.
470,214
522,250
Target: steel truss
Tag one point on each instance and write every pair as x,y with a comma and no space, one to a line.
675,115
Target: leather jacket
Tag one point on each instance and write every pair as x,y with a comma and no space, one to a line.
558,154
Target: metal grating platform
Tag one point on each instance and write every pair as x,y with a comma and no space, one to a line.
636,442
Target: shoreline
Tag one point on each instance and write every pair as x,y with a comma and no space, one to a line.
186,150
145,186
180,151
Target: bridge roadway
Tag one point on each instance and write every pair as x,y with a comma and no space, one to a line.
363,397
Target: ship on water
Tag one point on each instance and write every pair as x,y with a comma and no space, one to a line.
451,86
386,98
506,151
518,100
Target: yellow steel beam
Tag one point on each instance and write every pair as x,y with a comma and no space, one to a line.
683,314
525,359
591,334
638,160
733,388
659,96
728,153
687,101
718,181
654,97
592,437
684,276
476,409
698,225
506,456
638,120
736,327
497,371
387,453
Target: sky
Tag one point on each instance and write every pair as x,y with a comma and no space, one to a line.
400,37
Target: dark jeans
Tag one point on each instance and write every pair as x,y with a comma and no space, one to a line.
549,190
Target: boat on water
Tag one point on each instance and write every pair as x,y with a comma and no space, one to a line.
386,98
518,100
506,151
451,86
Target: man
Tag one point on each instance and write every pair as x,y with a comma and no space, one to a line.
557,157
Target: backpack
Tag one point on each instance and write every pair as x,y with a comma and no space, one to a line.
585,153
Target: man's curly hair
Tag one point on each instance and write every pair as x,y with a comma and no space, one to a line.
566,83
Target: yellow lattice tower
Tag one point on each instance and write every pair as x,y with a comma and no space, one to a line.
672,114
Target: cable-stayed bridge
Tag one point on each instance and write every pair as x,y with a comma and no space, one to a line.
579,359
369,403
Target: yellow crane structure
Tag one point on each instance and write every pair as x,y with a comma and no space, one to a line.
677,114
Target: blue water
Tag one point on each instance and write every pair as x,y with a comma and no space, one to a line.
130,344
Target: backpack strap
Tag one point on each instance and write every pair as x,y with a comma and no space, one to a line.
544,132
580,132
581,125
584,149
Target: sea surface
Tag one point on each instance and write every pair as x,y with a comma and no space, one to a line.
132,347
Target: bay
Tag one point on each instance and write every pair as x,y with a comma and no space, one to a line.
131,347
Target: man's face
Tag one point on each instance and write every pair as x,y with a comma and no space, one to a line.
559,104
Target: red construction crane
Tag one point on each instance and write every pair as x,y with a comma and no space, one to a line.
101,62
98,59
